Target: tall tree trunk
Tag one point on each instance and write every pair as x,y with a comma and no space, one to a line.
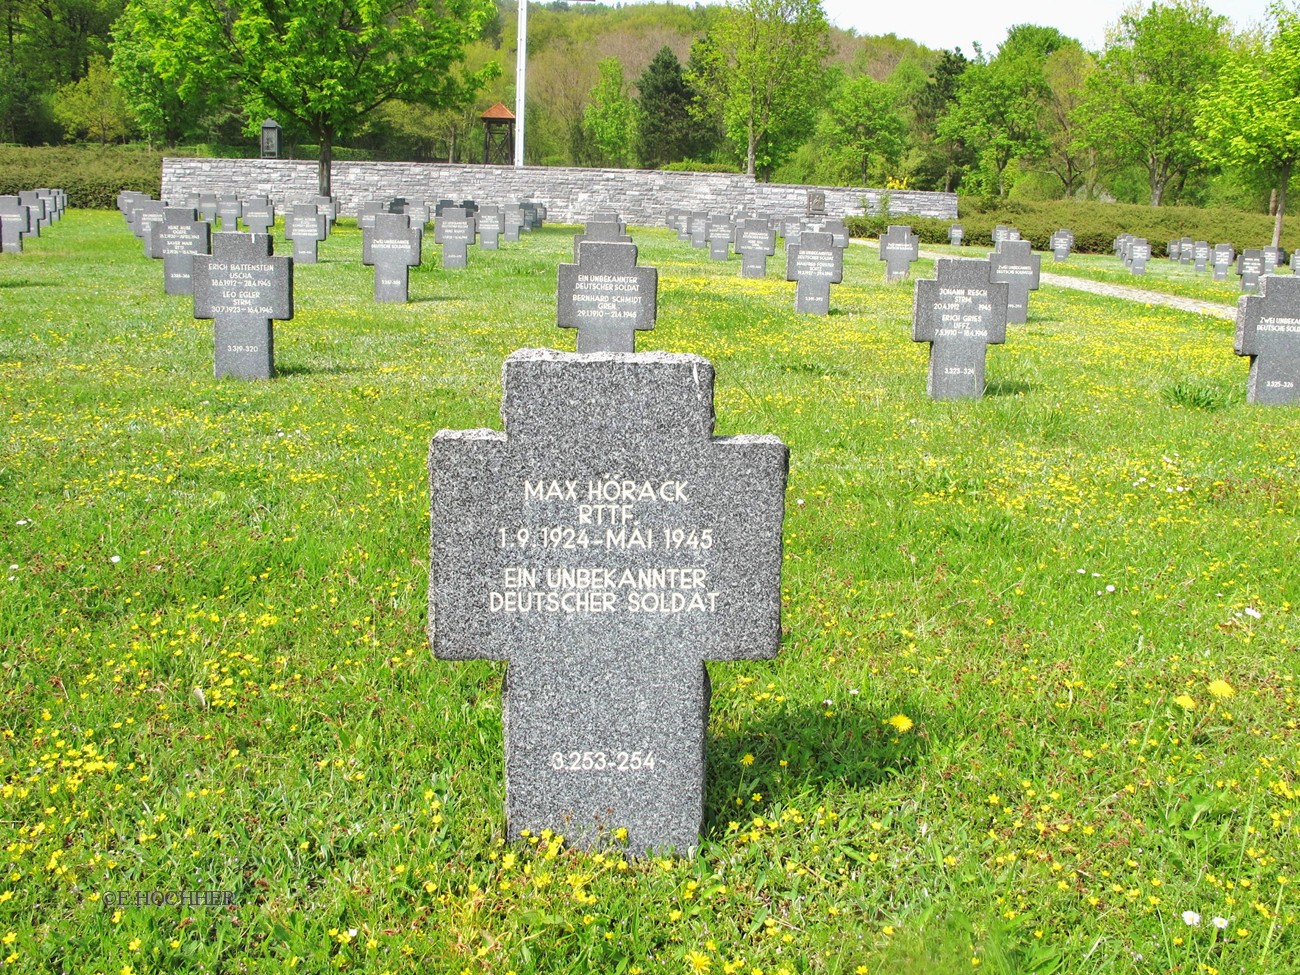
324,163
753,150
1281,203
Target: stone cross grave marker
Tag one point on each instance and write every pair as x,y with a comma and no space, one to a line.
329,209
532,216
899,247
151,212
606,297
815,263
835,227
371,209
1201,255
1017,266
601,231
605,546
441,205
1224,255
1062,243
229,209
418,211
306,226
208,207
1273,258
489,228
259,214
1186,250
699,229
960,313
39,207
681,223
177,240
16,226
393,247
242,287
513,222
755,243
956,233
455,230
1268,330
1139,252
1250,266
719,232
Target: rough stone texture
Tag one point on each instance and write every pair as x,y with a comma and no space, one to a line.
570,195
960,314
242,288
816,263
393,247
179,237
1268,330
606,297
1015,264
606,545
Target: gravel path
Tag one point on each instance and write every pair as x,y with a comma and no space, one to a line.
1121,291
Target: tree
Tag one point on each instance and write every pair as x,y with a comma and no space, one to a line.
1066,72
317,67
865,125
996,114
664,126
610,117
94,106
767,58
1250,116
940,157
1141,100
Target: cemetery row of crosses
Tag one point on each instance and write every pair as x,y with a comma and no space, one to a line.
594,544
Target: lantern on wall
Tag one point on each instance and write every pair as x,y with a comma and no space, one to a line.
270,139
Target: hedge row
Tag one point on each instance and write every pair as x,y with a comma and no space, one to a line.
91,176
1095,225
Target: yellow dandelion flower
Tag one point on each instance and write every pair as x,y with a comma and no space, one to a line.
1185,702
1221,689
747,760
900,723
699,962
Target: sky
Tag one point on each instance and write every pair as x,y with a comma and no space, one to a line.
947,24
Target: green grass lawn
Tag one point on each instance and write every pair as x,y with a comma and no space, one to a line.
1035,708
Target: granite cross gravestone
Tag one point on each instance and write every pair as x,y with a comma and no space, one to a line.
1186,250
39,207
836,228
242,287
1017,266
16,226
1139,252
960,314
956,233
329,209
606,297
1201,255
899,247
177,240
1273,258
755,243
208,207
1250,265
512,223
601,231
1224,255
699,229
1062,243
393,247
719,232
229,209
371,209
455,230
149,213
306,226
1268,330
489,228
605,546
259,215
815,263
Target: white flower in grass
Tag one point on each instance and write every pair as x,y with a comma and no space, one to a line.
1219,922
115,559
1253,613
1191,918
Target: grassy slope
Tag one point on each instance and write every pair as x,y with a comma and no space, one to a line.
1033,579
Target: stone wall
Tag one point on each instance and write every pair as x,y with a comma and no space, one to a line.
643,197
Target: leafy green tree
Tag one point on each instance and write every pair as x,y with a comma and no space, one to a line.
1064,154
865,126
1141,101
1250,117
609,119
996,115
94,106
665,128
764,64
318,67
939,158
